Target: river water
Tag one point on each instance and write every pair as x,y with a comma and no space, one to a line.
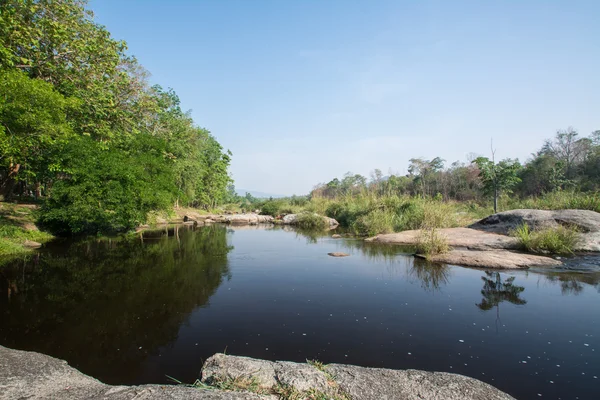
145,308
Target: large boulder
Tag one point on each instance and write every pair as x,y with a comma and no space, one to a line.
248,219
585,221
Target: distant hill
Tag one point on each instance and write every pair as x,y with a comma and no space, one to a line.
259,195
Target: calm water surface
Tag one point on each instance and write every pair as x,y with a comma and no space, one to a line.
130,311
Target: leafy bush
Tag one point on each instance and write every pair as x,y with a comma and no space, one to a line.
271,207
557,240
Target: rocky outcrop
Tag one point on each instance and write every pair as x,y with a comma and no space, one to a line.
497,259
585,221
292,219
37,376
247,219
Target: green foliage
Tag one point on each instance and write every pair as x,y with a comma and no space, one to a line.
81,126
557,240
16,228
271,208
309,220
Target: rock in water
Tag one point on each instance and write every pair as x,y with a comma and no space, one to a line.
338,254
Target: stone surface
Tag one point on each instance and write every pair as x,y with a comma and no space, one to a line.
501,259
338,254
587,222
36,376
384,384
457,237
248,219
358,383
291,219
31,244
336,236
28,375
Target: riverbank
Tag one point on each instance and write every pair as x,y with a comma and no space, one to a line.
18,233
224,377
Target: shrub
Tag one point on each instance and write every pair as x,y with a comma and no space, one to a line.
270,207
556,240
308,220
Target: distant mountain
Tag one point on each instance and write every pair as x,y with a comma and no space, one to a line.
259,195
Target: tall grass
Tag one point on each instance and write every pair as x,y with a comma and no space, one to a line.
558,200
431,242
369,214
556,240
310,220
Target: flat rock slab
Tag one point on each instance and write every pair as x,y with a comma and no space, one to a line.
456,237
500,259
29,375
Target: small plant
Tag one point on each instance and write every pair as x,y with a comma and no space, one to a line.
555,240
431,242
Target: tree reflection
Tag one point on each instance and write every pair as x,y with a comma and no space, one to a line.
432,276
495,291
112,301
572,283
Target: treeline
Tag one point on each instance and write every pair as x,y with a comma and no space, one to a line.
565,162
81,127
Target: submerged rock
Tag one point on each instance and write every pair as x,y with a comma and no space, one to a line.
338,254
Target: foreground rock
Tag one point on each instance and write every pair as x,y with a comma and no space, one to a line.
28,375
499,259
456,237
37,376
292,219
349,382
585,221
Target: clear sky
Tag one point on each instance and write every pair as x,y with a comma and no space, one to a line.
302,91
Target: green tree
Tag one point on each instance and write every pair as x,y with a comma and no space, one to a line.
498,177
33,127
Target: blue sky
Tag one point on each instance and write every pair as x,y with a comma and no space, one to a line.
302,91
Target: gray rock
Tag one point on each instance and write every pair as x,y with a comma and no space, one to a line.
302,377
500,259
31,244
380,384
221,367
36,376
336,236
586,221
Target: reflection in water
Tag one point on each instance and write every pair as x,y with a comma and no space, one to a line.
431,275
114,301
495,291
572,283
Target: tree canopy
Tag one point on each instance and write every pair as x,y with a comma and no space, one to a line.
82,127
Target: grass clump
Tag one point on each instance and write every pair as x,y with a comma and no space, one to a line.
431,242
555,240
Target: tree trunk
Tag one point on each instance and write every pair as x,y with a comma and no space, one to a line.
7,187
495,200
